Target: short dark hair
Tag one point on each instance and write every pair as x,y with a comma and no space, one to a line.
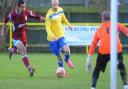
106,15
20,2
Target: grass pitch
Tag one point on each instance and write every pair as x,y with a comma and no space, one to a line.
13,74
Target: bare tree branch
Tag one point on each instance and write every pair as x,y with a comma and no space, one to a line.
4,9
101,5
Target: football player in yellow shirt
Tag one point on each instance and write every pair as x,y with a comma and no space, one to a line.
55,35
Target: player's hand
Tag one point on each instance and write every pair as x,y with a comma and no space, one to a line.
127,34
70,27
42,18
2,32
88,64
54,38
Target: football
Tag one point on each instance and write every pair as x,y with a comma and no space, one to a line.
60,72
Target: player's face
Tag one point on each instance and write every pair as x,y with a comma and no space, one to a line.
55,5
22,8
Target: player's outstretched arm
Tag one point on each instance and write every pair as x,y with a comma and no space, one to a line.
123,29
64,20
91,51
35,16
2,31
6,19
42,18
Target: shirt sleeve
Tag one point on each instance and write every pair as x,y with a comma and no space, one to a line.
64,20
34,15
6,19
123,29
94,43
47,27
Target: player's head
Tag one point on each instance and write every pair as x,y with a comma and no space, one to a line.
105,16
55,4
21,6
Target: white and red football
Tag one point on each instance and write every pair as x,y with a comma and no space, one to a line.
60,72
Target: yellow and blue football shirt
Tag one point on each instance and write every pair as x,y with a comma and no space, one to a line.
54,22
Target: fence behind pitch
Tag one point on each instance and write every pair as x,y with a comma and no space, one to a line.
37,38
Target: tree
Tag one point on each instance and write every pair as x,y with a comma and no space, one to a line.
101,5
5,7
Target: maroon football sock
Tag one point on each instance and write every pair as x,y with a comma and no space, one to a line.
26,62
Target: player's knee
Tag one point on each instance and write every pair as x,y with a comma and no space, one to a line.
24,53
67,50
23,50
96,72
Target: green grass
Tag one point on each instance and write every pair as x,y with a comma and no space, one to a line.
13,74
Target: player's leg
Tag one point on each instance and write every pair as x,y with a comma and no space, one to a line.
123,73
101,64
67,56
60,61
54,47
25,59
13,50
95,77
63,44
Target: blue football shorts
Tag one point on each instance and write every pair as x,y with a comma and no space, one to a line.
56,46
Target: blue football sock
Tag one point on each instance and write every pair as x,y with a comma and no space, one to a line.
60,63
66,57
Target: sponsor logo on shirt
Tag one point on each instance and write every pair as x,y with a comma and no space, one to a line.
21,25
